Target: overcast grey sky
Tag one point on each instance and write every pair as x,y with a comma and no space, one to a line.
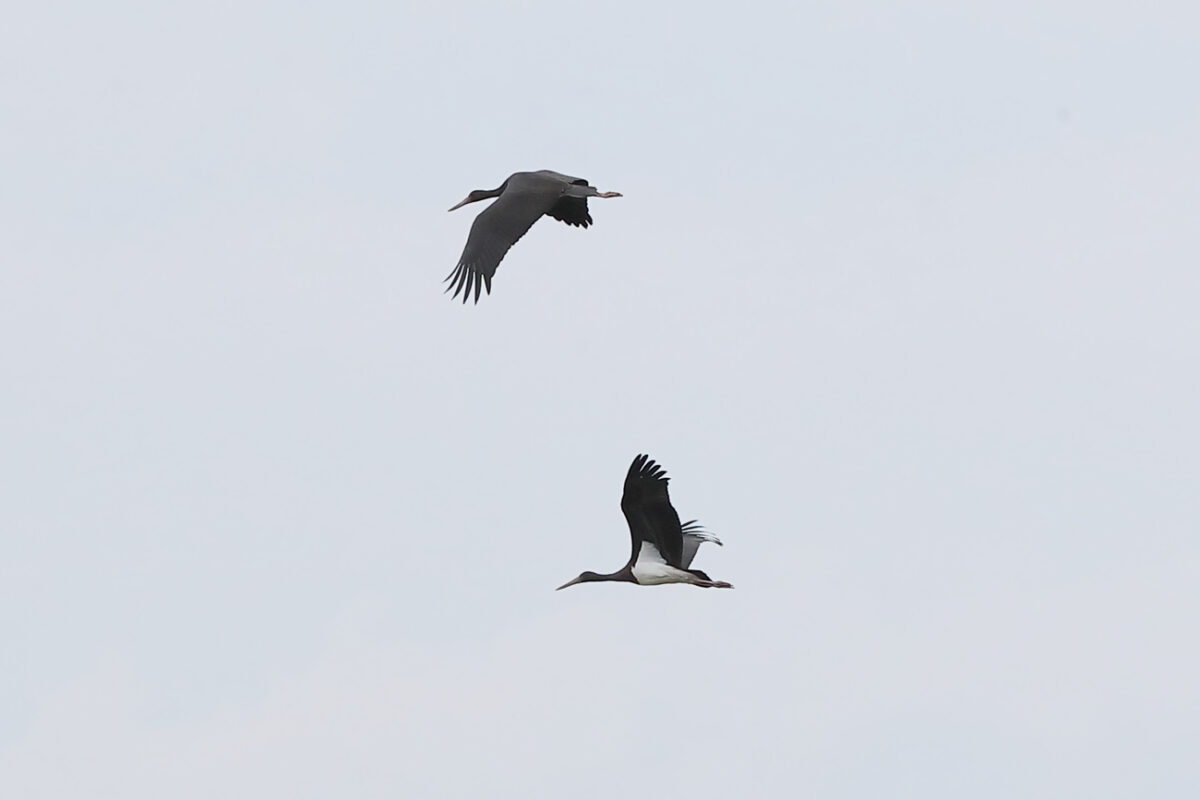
903,296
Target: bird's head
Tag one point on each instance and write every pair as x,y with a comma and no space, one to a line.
475,196
584,577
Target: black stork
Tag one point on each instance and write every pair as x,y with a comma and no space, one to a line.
524,198
663,549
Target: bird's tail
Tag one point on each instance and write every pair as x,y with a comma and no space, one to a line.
702,580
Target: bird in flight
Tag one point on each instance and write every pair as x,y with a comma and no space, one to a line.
663,548
523,199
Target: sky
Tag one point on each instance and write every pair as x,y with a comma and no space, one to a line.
903,296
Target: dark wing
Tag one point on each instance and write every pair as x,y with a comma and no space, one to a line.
649,512
572,210
494,231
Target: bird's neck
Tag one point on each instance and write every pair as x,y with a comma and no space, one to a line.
625,573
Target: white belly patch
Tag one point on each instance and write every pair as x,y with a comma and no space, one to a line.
650,568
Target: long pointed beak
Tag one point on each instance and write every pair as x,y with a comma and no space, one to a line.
568,583
459,205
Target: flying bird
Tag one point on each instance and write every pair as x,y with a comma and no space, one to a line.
663,549
524,198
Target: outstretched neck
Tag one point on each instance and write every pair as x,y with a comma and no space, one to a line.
625,573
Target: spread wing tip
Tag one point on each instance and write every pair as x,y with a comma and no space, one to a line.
695,529
463,278
644,466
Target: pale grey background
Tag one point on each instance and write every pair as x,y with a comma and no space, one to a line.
905,298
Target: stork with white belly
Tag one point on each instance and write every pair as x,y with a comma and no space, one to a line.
663,548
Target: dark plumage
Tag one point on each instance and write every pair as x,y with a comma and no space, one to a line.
662,548
522,200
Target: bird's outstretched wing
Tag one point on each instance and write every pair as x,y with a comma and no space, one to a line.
497,228
694,535
572,210
649,512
